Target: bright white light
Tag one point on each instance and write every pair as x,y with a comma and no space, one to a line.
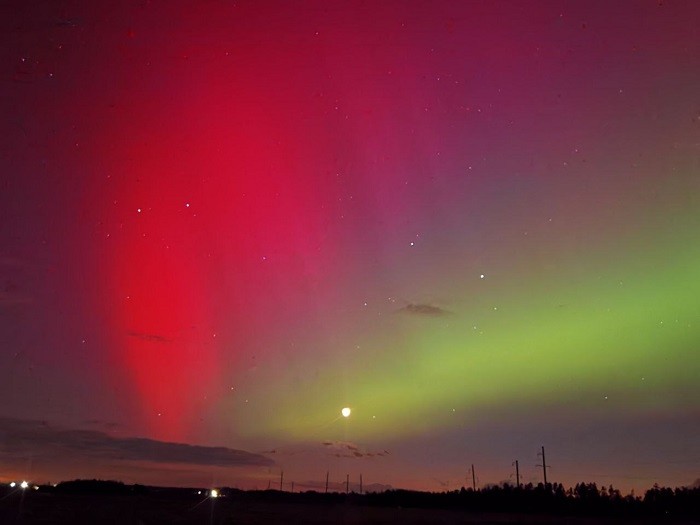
13,484
24,484
214,493
346,412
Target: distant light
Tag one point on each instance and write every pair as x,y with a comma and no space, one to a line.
346,412
199,492
481,276
13,484
214,493
24,484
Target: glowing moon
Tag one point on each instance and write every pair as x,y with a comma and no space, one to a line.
346,412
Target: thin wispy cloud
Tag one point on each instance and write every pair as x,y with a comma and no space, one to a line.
423,309
153,338
346,449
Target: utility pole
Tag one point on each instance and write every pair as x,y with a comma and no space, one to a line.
517,474
347,483
544,468
360,483
268,484
326,482
281,479
473,478
292,487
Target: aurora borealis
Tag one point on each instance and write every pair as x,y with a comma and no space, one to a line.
475,224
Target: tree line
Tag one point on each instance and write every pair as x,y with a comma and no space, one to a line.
583,499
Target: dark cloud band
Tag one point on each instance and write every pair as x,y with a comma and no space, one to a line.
26,438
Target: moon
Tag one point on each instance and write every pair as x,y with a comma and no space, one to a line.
346,412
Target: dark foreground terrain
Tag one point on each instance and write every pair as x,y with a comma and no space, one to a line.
154,506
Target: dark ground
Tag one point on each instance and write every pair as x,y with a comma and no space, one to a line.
37,507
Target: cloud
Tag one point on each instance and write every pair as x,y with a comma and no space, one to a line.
427,310
153,338
346,449
36,439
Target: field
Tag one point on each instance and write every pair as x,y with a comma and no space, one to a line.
34,508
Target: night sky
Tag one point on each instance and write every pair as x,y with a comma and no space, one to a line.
476,224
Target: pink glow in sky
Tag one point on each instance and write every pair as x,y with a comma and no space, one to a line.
222,222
